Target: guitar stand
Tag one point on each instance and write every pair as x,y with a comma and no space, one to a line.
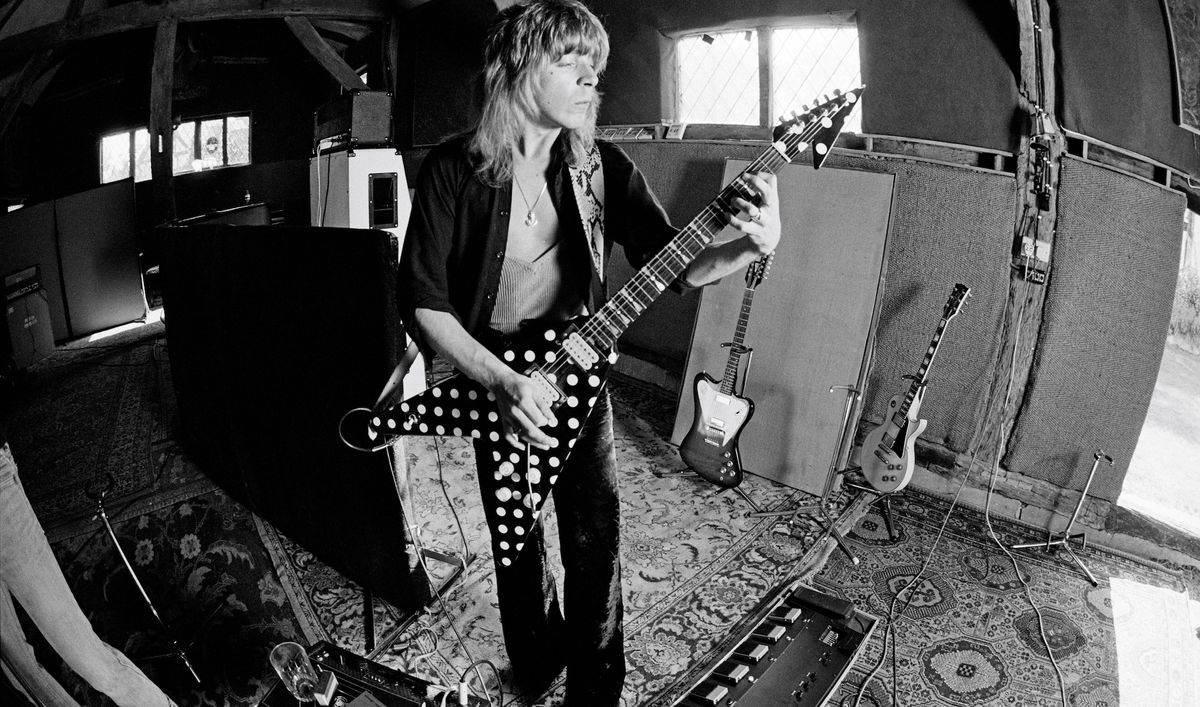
177,650
460,568
659,473
832,479
887,506
1066,536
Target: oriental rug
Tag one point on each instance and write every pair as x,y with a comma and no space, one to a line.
968,634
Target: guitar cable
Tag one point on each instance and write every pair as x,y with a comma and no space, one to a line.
1062,687
420,551
892,617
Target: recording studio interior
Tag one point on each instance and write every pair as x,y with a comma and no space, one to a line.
938,446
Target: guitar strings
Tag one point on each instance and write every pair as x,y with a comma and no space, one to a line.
690,234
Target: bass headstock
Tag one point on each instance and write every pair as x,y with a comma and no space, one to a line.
816,127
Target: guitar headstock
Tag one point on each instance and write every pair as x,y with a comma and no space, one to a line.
757,271
817,127
957,297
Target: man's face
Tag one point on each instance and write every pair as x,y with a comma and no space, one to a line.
566,92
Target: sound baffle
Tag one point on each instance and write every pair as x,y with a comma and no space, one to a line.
274,333
811,324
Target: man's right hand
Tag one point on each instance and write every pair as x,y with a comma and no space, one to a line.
522,410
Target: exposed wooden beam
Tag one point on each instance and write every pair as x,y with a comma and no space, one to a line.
35,67
162,142
140,15
8,13
30,73
337,67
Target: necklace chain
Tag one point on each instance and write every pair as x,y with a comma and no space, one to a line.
531,219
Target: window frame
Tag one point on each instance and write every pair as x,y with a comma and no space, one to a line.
195,122
768,111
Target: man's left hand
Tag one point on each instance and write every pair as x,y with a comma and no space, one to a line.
759,221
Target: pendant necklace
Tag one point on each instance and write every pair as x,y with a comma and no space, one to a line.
531,219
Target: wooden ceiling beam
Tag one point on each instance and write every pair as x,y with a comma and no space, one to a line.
27,84
325,55
132,16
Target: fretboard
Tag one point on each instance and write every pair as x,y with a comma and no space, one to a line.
737,346
647,284
923,372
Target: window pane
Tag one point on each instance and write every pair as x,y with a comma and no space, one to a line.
141,155
114,158
809,62
212,144
238,145
184,151
718,78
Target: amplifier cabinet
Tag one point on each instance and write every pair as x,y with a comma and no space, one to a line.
360,119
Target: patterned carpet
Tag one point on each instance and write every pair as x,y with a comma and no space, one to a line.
970,636
230,586
694,564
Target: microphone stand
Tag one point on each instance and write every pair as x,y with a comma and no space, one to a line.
176,649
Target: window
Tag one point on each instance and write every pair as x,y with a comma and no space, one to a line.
720,77
196,145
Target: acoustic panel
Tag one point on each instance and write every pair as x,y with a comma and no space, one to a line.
809,324
27,238
950,225
1108,305
274,334
97,240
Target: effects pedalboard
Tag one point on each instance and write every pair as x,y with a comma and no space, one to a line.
364,682
798,649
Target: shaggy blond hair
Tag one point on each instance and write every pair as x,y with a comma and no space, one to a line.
523,39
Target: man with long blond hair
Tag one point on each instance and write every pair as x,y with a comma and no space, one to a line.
514,223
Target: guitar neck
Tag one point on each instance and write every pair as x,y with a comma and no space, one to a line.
922,376
623,308
737,346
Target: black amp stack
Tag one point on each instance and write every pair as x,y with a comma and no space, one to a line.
365,683
799,647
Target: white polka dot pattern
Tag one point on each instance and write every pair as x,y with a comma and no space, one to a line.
460,406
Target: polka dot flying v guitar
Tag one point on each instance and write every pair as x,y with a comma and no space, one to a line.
570,363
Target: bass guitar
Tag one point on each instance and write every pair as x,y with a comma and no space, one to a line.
570,363
710,447
888,450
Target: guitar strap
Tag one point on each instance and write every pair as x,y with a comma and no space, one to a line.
587,181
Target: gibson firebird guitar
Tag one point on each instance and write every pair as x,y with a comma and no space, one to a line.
888,451
569,363
710,447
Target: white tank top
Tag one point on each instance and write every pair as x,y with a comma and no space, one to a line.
535,290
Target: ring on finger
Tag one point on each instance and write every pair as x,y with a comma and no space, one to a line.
756,217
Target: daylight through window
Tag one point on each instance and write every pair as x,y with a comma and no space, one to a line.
196,145
719,74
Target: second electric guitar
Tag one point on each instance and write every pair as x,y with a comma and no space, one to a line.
710,447
888,450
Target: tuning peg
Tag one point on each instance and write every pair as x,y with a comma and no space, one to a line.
783,118
837,92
